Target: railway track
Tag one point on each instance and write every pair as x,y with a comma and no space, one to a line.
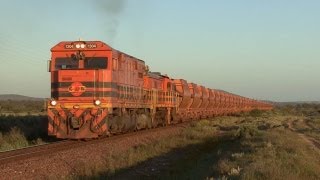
33,151
45,149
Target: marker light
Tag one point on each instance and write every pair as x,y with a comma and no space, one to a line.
97,102
53,102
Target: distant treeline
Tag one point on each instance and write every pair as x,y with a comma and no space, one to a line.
9,106
306,109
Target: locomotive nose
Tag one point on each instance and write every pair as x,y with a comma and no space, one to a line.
75,123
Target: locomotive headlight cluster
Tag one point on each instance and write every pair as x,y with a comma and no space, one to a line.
53,102
81,45
97,102
78,46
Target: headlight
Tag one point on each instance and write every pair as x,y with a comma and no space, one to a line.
82,46
78,46
53,102
97,102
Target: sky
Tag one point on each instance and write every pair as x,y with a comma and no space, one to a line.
267,50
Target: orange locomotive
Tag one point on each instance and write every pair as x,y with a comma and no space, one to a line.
97,91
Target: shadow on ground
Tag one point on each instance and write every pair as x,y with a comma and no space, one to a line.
197,161
32,127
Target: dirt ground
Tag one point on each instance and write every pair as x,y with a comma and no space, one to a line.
313,142
65,163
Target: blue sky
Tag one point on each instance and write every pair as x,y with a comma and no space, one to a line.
259,49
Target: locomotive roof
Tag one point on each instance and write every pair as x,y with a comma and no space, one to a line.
155,75
219,90
68,46
90,46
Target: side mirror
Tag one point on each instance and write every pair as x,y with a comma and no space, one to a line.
49,66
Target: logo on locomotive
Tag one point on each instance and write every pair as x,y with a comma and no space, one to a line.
77,89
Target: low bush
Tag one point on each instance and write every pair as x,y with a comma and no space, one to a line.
247,131
13,140
256,113
22,131
10,106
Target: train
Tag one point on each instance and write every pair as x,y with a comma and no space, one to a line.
99,91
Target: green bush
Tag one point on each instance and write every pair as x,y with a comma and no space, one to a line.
247,131
256,113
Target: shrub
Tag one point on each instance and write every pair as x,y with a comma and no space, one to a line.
256,113
13,140
247,131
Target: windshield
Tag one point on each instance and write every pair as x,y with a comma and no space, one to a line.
66,63
89,63
96,63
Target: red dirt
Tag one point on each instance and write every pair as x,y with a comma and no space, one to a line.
65,163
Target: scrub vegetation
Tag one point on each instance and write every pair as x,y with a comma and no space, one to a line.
22,123
21,107
22,131
279,144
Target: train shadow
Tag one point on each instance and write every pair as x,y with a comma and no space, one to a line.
196,161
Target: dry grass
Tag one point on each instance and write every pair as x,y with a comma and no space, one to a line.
116,163
22,131
279,154
12,140
255,145
22,123
11,107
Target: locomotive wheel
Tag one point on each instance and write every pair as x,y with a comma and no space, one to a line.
143,122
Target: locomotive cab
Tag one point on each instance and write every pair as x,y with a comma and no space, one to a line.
81,85
97,91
